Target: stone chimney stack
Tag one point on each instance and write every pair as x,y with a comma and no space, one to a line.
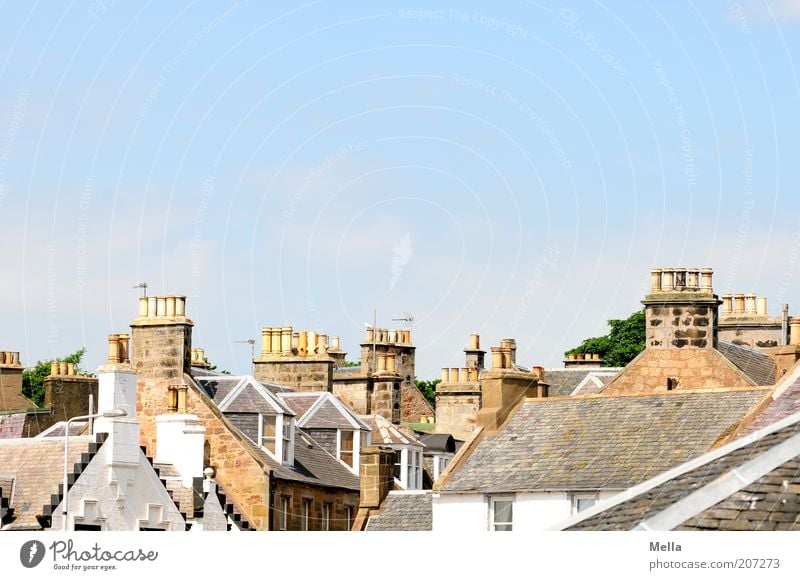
11,398
161,354
504,386
682,310
377,479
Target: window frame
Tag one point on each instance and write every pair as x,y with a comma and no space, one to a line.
305,514
327,508
283,518
576,497
493,523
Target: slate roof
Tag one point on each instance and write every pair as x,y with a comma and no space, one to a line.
384,432
598,442
564,381
242,394
300,404
786,402
217,387
12,426
312,464
747,485
404,511
758,366
37,467
322,410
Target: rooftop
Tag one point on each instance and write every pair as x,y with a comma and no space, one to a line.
598,442
750,484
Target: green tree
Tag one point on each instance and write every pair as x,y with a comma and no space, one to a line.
621,345
33,379
349,364
428,388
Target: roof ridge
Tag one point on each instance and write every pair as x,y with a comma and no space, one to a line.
651,394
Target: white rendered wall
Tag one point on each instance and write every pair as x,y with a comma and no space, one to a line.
532,511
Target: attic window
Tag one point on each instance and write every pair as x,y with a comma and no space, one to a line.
268,433
346,451
672,383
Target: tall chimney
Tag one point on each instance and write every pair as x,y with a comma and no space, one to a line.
161,354
684,314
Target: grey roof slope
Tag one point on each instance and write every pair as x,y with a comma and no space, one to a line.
734,487
564,381
404,511
598,442
755,364
786,402
312,464
37,468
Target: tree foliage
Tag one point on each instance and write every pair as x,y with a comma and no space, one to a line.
621,345
428,388
33,379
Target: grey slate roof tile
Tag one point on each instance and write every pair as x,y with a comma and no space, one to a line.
755,364
598,442
404,512
37,466
752,507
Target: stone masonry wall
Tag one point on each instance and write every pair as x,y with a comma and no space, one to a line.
456,412
692,368
680,326
68,395
160,355
244,478
298,373
339,501
355,393
752,336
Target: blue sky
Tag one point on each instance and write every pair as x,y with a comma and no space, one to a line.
514,170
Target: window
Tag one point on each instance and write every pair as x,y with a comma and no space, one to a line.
306,515
348,514
269,425
346,447
398,463
326,517
284,515
287,440
583,501
501,514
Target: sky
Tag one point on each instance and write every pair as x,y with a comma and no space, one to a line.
513,169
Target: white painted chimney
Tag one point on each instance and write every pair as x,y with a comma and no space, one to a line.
117,390
179,440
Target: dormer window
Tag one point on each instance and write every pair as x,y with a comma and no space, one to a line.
346,452
348,447
269,426
277,436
